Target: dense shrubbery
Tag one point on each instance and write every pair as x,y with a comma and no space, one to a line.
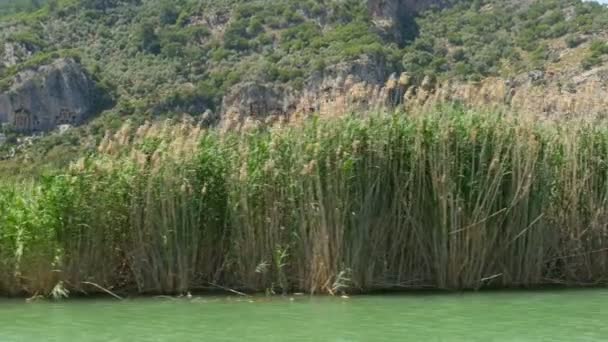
597,50
483,38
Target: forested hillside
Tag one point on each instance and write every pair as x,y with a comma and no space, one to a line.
223,60
185,55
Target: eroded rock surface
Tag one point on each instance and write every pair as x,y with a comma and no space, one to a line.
364,86
51,95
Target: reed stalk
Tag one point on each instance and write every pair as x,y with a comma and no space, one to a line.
450,199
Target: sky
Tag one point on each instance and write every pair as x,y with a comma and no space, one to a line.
602,1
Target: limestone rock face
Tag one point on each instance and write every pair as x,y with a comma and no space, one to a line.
364,85
370,84
255,100
56,94
334,91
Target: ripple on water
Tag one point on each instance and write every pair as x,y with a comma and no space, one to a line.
493,316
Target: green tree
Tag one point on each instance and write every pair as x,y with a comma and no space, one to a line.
148,39
169,12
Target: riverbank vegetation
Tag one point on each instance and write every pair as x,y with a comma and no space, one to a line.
451,200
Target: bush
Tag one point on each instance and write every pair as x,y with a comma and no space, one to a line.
169,12
30,39
590,61
598,48
574,40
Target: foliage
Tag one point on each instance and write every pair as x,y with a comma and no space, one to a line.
16,6
403,200
597,49
476,39
150,49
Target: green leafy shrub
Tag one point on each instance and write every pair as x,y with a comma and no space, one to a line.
574,40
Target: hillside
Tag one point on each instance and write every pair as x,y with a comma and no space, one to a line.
224,60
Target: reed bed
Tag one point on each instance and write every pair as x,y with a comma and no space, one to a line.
451,199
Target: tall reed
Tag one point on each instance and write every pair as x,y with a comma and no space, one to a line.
450,199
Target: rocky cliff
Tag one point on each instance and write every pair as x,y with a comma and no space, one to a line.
334,90
48,96
364,85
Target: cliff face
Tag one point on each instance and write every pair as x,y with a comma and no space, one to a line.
365,86
52,95
332,91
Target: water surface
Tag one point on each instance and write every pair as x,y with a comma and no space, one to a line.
567,316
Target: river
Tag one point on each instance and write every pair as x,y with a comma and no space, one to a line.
573,315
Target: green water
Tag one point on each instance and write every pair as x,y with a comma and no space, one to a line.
495,316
